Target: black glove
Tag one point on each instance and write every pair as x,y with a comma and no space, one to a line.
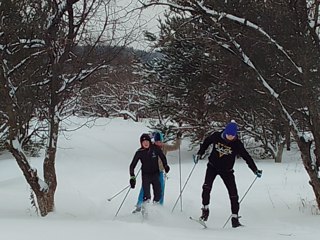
132,181
179,134
166,168
258,173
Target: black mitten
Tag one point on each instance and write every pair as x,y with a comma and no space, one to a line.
132,182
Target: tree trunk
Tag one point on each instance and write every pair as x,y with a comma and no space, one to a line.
305,149
278,158
288,137
45,202
51,180
44,195
44,190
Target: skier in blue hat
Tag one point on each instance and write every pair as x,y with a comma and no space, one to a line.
226,146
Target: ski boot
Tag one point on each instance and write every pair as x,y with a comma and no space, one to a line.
205,213
144,209
137,209
235,221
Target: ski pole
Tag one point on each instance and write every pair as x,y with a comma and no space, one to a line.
109,199
122,203
180,183
241,199
183,187
125,197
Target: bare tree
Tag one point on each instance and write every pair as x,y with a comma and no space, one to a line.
43,70
119,92
299,61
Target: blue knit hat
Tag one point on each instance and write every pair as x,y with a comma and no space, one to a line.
157,136
231,129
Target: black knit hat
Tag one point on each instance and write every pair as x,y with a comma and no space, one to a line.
145,136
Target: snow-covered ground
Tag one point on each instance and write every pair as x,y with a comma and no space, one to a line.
92,165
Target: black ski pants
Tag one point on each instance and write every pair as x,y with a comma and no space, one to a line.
151,179
230,183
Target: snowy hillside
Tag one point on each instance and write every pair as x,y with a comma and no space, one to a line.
93,164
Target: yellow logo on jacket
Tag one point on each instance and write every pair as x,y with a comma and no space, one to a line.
223,149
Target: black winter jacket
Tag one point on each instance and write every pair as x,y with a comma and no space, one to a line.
149,160
224,152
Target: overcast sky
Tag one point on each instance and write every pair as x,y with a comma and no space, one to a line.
140,21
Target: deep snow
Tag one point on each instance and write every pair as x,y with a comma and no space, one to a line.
92,165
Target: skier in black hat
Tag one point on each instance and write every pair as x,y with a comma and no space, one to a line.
148,155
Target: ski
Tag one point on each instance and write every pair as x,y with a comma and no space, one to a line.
144,211
201,222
